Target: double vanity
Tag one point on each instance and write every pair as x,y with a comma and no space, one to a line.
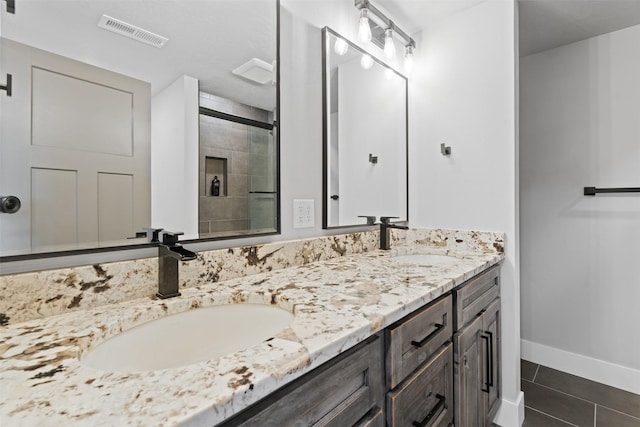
334,337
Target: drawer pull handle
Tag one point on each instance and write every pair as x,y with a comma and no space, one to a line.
488,361
439,327
433,412
490,334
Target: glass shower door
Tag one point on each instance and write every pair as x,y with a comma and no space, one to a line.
262,178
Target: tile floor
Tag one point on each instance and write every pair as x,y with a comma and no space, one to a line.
554,398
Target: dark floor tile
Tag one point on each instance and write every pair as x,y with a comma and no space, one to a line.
567,408
528,369
608,418
533,418
604,395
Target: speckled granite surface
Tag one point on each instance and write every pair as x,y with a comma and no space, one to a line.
35,295
336,303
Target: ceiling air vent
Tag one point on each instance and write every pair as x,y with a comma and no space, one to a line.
124,29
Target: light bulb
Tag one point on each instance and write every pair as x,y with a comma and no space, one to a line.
388,73
389,46
408,60
341,47
366,61
364,30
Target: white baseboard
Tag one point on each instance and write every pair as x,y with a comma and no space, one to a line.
511,414
592,369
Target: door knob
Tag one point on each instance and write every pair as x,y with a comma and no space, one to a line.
9,204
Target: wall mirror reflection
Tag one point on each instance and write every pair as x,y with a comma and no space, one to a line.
365,136
130,114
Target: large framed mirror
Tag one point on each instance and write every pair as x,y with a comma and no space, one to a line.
365,136
131,114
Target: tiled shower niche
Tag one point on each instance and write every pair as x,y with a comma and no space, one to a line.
215,167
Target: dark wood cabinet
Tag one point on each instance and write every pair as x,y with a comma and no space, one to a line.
419,367
415,338
434,367
426,398
346,391
477,369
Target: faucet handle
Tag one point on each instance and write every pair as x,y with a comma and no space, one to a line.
371,220
152,234
170,237
385,219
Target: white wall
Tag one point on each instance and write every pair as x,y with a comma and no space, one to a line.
462,93
174,157
580,126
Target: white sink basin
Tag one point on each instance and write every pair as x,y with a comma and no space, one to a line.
188,337
425,259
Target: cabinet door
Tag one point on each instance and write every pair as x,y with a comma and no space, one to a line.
340,393
469,399
492,377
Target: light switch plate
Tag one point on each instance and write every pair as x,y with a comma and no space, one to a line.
303,213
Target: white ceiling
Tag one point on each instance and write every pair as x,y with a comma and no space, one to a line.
543,24
207,39
546,24
415,15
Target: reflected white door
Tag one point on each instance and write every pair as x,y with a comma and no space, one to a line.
75,150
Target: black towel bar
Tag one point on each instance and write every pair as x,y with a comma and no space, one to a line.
591,191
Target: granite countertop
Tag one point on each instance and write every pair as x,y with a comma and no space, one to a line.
336,304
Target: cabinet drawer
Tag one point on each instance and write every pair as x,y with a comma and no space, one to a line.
413,340
426,398
339,393
475,295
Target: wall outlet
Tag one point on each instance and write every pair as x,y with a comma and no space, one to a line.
303,214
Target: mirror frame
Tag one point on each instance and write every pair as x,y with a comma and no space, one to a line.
326,31
133,246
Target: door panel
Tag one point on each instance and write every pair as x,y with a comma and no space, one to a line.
53,207
468,365
115,206
98,117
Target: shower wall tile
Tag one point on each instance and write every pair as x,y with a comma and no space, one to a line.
239,163
203,227
223,208
238,185
228,225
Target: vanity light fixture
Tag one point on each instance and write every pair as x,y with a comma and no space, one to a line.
364,29
366,61
389,46
408,59
382,31
341,47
